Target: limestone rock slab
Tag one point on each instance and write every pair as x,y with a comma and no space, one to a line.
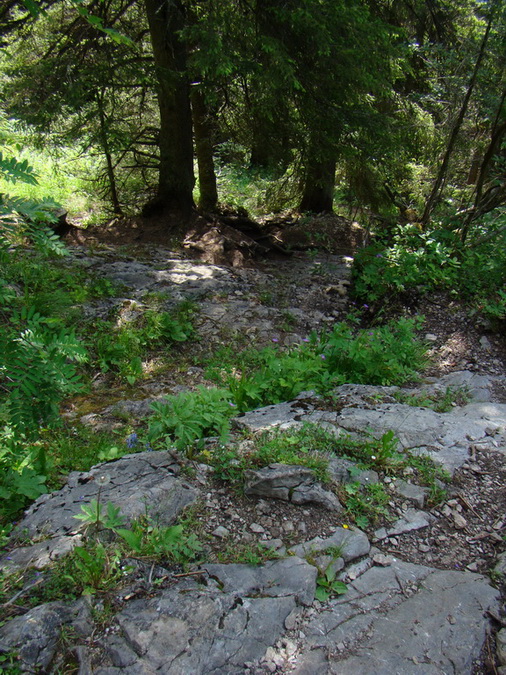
35,635
290,483
417,620
209,629
351,544
139,483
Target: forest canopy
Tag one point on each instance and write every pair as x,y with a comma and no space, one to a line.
394,107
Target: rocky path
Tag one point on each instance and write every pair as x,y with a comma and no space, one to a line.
419,595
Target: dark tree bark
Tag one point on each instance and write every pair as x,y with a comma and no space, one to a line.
104,139
441,176
204,132
498,133
318,194
166,18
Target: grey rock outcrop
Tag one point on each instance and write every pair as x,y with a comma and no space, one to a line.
146,482
210,628
290,483
35,636
404,619
362,412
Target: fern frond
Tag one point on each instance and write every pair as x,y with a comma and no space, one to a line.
13,170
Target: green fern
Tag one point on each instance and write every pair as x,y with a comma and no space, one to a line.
37,369
26,217
14,171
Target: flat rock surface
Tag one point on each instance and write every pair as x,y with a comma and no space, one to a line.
147,482
402,619
445,437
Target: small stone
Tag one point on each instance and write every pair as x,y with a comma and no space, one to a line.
290,646
459,521
291,619
485,343
383,560
256,528
472,567
263,507
380,534
500,567
273,544
221,532
430,337
288,526
423,548
501,646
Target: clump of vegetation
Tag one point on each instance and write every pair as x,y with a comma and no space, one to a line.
439,401
121,349
187,419
308,446
386,355
419,262
327,585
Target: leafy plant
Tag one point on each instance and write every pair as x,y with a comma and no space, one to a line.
386,355
327,585
23,472
413,262
170,543
93,567
142,538
94,514
38,368
365,503
185,420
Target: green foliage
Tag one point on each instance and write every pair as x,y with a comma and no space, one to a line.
327,585
93,567
185,420
277,376
366,504
26,217
143,538
386,355
161,543
307,446
420,262
13,170
439,401
23,472
246,554
95,515
121,349
9,663
38,365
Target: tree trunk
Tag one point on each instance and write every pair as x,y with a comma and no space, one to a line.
318,195
104,138
438,183
203,128
166,18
